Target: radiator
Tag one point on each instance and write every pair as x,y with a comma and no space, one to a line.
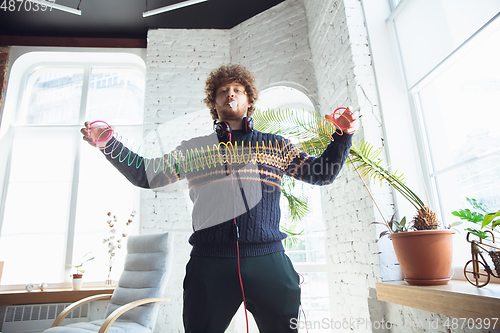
39,317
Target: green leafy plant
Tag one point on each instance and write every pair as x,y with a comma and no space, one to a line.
312,135
298,205
366,159
298,208
395,226
481,216
86,258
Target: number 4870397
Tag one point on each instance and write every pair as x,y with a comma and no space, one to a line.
26,5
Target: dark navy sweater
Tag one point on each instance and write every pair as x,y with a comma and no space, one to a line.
238,182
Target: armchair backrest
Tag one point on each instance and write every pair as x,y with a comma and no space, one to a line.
147,266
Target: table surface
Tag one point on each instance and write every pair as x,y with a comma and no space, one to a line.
17,297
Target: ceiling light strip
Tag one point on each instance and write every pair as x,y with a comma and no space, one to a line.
168,8
57,6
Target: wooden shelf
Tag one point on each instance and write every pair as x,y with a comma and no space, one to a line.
457,299
16,297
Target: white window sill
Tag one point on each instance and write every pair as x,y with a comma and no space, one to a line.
458,299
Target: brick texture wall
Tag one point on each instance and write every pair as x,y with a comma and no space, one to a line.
319,47
275,46
342,64
178,62
302,44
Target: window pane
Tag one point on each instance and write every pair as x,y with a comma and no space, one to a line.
315,301
460,111
310,246
479,180
52,96
36,211
460,107
116,96
103,189
429,30
37,215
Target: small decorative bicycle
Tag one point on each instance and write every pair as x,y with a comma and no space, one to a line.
477,271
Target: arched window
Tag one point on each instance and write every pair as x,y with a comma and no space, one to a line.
57,189
307,251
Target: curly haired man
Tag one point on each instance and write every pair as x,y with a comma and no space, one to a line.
237,253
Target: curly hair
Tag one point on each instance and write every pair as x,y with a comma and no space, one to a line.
227,74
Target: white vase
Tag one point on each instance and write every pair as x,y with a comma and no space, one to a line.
77,283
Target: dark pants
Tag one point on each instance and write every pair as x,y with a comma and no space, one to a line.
212,292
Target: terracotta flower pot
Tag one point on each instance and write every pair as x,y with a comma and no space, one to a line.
425,256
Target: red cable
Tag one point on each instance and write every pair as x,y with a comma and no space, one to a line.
237,241
241,284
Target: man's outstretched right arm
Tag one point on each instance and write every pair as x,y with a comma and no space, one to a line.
140,171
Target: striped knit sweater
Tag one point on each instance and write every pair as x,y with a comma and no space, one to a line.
233,183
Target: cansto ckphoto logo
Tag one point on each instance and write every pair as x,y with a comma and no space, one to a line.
328,323
363,323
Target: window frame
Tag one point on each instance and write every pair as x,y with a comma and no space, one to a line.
423,176
422,140
23,62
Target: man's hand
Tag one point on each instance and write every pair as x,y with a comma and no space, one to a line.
348,121
97,133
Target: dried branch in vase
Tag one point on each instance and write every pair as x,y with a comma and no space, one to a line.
114,241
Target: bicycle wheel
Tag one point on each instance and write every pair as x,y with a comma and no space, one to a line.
478,276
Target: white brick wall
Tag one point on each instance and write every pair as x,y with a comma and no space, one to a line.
275,46
319,47
343,69
178,62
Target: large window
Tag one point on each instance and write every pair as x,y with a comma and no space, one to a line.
308,250
308,254
57,190
449,53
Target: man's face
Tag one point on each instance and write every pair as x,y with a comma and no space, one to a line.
227,93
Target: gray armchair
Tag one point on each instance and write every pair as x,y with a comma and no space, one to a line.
134,304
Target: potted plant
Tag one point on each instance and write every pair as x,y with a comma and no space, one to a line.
78,276
481,216
478,271
423,247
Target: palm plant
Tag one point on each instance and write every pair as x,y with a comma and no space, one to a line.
298,208
312,134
